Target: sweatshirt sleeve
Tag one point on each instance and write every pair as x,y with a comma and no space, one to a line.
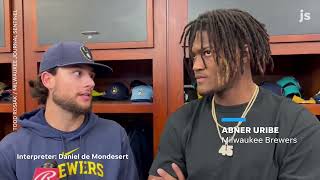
302,159
128,166
7,170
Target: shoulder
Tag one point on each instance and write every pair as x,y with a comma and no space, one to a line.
298,117
293,112
188,113
108,126
107,123
11,142
290,116
283,106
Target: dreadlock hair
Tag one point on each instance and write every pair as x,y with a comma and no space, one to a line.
231,33
38,90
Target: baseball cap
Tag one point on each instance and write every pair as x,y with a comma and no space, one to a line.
70,53
288,80
96,93
135,83
290,86
116,91
291,90
142,93
273,87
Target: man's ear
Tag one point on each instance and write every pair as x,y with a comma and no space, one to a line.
246,54
48,80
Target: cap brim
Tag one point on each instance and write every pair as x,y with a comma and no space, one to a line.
141,100
108,97
100,68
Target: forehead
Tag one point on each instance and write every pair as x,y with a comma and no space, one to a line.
78,67
196,46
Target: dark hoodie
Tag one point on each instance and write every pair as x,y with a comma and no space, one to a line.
99,149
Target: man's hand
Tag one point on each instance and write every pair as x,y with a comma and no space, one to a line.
166,176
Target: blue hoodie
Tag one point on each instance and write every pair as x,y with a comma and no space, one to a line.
99,149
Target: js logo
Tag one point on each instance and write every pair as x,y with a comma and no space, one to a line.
304,16
46,175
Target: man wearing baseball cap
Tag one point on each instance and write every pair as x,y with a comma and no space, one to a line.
64,129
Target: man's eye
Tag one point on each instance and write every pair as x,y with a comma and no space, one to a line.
92,75
77,73
207,53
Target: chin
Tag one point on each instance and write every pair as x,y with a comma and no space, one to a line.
85,106
88,107
209,90
204,91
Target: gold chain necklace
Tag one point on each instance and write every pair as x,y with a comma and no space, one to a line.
227,149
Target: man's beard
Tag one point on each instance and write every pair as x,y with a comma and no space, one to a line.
70,105
226,85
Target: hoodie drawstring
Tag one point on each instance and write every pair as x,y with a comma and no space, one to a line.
64,150
83,178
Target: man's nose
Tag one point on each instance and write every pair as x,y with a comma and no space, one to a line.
89,82
198,63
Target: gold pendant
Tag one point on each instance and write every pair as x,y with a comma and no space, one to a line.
226,150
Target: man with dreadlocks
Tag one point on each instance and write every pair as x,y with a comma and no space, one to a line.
270,137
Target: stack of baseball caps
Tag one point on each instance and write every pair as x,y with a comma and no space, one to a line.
140,92
290,86
5,92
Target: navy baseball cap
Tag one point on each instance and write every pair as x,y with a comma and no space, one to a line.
273,87
116,91
135,83
70,53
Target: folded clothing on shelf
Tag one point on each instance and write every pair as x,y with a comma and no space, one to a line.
299,100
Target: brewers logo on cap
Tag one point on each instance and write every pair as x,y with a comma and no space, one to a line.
114,90
86,53
140,92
